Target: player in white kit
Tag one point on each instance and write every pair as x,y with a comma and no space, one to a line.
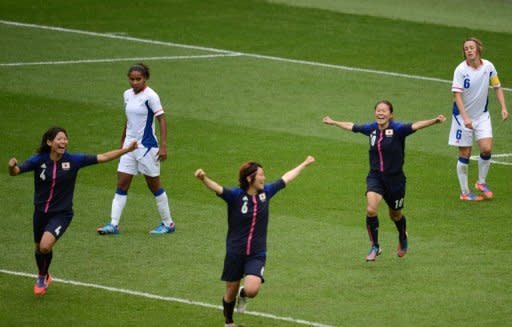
142,106
471,118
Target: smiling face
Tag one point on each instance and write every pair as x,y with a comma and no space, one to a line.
256,181
137,80
383,114
58,145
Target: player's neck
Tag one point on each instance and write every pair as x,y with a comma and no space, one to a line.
252,191
475,63
55,156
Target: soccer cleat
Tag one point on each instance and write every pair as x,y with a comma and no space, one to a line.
42,284
403,246
162,229
241,303
470,197
484,188
108,229
374,252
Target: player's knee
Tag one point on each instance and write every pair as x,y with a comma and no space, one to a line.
371,211
251,291
44,248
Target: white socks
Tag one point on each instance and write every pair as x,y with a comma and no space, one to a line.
117,208
462,174
483,169
162,203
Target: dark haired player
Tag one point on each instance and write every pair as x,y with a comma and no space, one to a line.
386,179
246,242
142,109
55,172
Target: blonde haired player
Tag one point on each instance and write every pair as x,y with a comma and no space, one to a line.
471,118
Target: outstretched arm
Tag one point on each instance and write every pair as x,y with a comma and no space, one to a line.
426,123
114,154
212,185
341,124
290,176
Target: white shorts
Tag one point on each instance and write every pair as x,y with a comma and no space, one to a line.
142,160
462,136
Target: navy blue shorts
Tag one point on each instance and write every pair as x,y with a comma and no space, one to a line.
55,223
392,188
238,266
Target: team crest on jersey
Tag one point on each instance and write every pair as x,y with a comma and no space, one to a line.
388,132
263,197
66,165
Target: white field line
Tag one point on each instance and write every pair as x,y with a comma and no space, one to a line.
165,298
88,61
499,155
186,46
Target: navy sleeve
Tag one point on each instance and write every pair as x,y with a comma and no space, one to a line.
272,189
30,164
228,194
84,160
365,129
404,129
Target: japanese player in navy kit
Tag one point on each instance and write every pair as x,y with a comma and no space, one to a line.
386,179
55,173
246,241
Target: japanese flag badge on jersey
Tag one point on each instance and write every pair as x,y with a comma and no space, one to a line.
389,132
262,197
66,165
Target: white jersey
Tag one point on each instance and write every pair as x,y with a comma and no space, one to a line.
474,86
141,109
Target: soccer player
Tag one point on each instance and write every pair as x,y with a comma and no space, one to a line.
471,117
142,106
55,172
386,179
246,242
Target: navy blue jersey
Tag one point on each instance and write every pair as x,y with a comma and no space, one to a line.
54,181
387,146
248,219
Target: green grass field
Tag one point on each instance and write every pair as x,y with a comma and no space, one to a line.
245,80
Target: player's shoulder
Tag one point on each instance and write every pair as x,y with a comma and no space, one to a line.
488,64
462,66
150,92
39,157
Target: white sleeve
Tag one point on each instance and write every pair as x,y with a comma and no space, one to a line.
155,105
458,81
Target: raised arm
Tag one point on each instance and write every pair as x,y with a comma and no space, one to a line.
290,176
501,99
162,149
426,123
341,124
13,167
212,185
114,154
